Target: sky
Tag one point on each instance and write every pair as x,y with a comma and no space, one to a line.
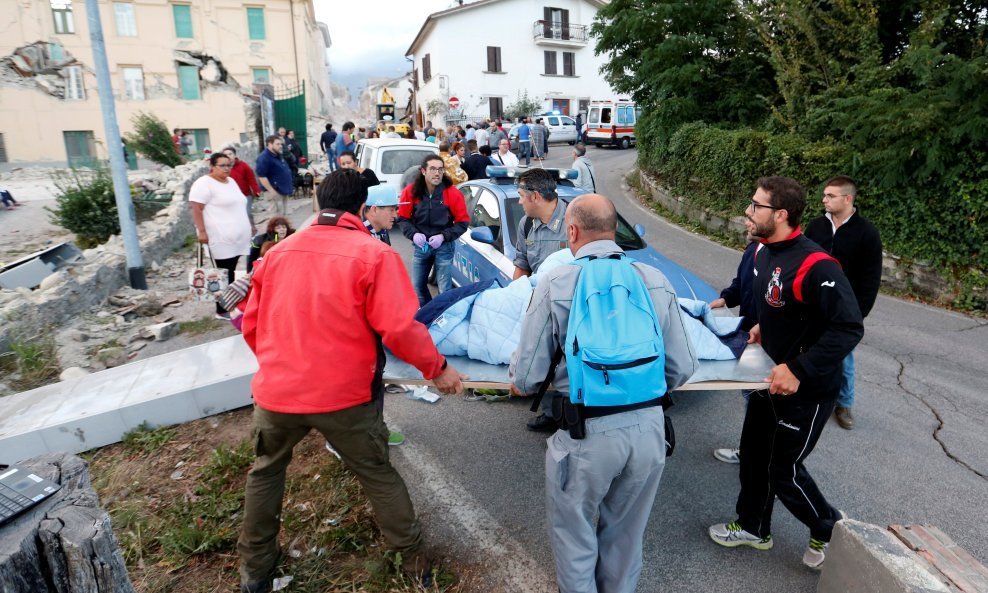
370,37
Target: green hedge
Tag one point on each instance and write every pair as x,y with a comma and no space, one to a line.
938,218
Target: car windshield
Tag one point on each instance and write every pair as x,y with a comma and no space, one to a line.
627,238
398,161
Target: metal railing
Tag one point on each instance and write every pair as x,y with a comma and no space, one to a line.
556,31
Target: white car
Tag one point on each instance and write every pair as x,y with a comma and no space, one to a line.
562,128
389,158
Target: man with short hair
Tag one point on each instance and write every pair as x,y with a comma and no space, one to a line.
432,215
808,322
380,211
541,232
391,133
524,141
327,142
855,242
471,133
483,136
600,489
246,181
345,141
495,137
540,138
475,164
504,157
274,174
584,169
349,161
297,388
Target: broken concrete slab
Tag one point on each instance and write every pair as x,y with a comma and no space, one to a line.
163,331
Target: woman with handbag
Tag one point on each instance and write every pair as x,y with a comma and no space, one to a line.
219,212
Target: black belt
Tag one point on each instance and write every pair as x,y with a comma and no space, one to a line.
598,411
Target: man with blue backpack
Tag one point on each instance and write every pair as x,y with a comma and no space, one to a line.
606,331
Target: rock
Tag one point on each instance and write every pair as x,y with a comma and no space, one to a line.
78,335
51,281
23,291
119,301
163,317
155,267
134,347
112,357
149,308
103,314
73,373
163,331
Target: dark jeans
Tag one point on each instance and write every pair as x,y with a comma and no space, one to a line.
360,436
777,436
230,265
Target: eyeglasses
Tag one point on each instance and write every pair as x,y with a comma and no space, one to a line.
833,196
755,206
434,169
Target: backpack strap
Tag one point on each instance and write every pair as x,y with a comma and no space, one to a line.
556,358
804,269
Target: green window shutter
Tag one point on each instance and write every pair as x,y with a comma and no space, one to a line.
255,23
183,20
188,79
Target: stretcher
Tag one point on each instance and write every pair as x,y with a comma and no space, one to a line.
747,372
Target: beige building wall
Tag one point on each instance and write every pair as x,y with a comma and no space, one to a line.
32,120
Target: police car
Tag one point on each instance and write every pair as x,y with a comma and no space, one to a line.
487,251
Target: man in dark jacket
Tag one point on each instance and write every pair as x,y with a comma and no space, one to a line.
856,244
327,142
475,164
808,321
432,214
274,175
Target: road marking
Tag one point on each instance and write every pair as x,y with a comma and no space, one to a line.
517,570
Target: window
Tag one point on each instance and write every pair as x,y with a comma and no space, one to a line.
182,14
426,68
496,106
61,11
255,23
555,23
485,212
200,140
80,148
569,66
493,59
397,161
261,74
133,79
3,150
55,52
550,62
415,78
126,21
74,88
188,80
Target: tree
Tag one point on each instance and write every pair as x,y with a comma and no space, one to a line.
86,206
152,139
523,106
686,61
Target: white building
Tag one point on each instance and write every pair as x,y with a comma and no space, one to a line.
487,52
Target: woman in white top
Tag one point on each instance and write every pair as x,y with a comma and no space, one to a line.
219,211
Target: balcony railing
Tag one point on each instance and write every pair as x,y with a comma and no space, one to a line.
556,32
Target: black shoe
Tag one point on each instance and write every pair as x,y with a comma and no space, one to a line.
542,423
422,575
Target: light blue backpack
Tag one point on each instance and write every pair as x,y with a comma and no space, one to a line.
615,355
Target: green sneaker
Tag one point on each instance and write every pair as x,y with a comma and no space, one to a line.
395,438
815,554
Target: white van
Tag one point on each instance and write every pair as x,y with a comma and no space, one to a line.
612,123
389,158
562,128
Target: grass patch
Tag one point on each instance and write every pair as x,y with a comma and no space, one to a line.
198,326
145,439
189,242
32,362
175,496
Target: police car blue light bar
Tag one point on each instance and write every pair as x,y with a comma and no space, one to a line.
515,172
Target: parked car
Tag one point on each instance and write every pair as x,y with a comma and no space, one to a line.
487,251
389,158
612,123
562,128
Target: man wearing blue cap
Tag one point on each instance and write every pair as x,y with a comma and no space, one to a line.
380,210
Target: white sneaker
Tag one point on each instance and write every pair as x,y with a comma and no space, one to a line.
815,553
728,455
731,535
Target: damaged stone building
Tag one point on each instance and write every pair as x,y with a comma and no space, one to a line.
192,64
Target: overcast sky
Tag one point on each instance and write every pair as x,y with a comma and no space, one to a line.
370,36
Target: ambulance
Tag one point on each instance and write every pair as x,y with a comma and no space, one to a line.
612,123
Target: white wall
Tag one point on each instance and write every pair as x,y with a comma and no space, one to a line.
458,44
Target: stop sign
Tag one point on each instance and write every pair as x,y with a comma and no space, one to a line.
454,102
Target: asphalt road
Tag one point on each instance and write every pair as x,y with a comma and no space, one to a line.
917,454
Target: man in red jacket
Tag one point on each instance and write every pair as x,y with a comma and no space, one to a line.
323,304
246,181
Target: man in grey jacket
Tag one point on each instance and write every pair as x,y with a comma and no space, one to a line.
613,475
585,178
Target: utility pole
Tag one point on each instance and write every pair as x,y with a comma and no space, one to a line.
118,167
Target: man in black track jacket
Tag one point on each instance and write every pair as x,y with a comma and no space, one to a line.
856,244
808,321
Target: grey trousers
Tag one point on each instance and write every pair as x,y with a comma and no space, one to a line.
613,472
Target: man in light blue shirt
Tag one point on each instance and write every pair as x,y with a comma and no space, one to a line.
524,141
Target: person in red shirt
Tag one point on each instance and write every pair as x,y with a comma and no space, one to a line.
323,304
246,180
